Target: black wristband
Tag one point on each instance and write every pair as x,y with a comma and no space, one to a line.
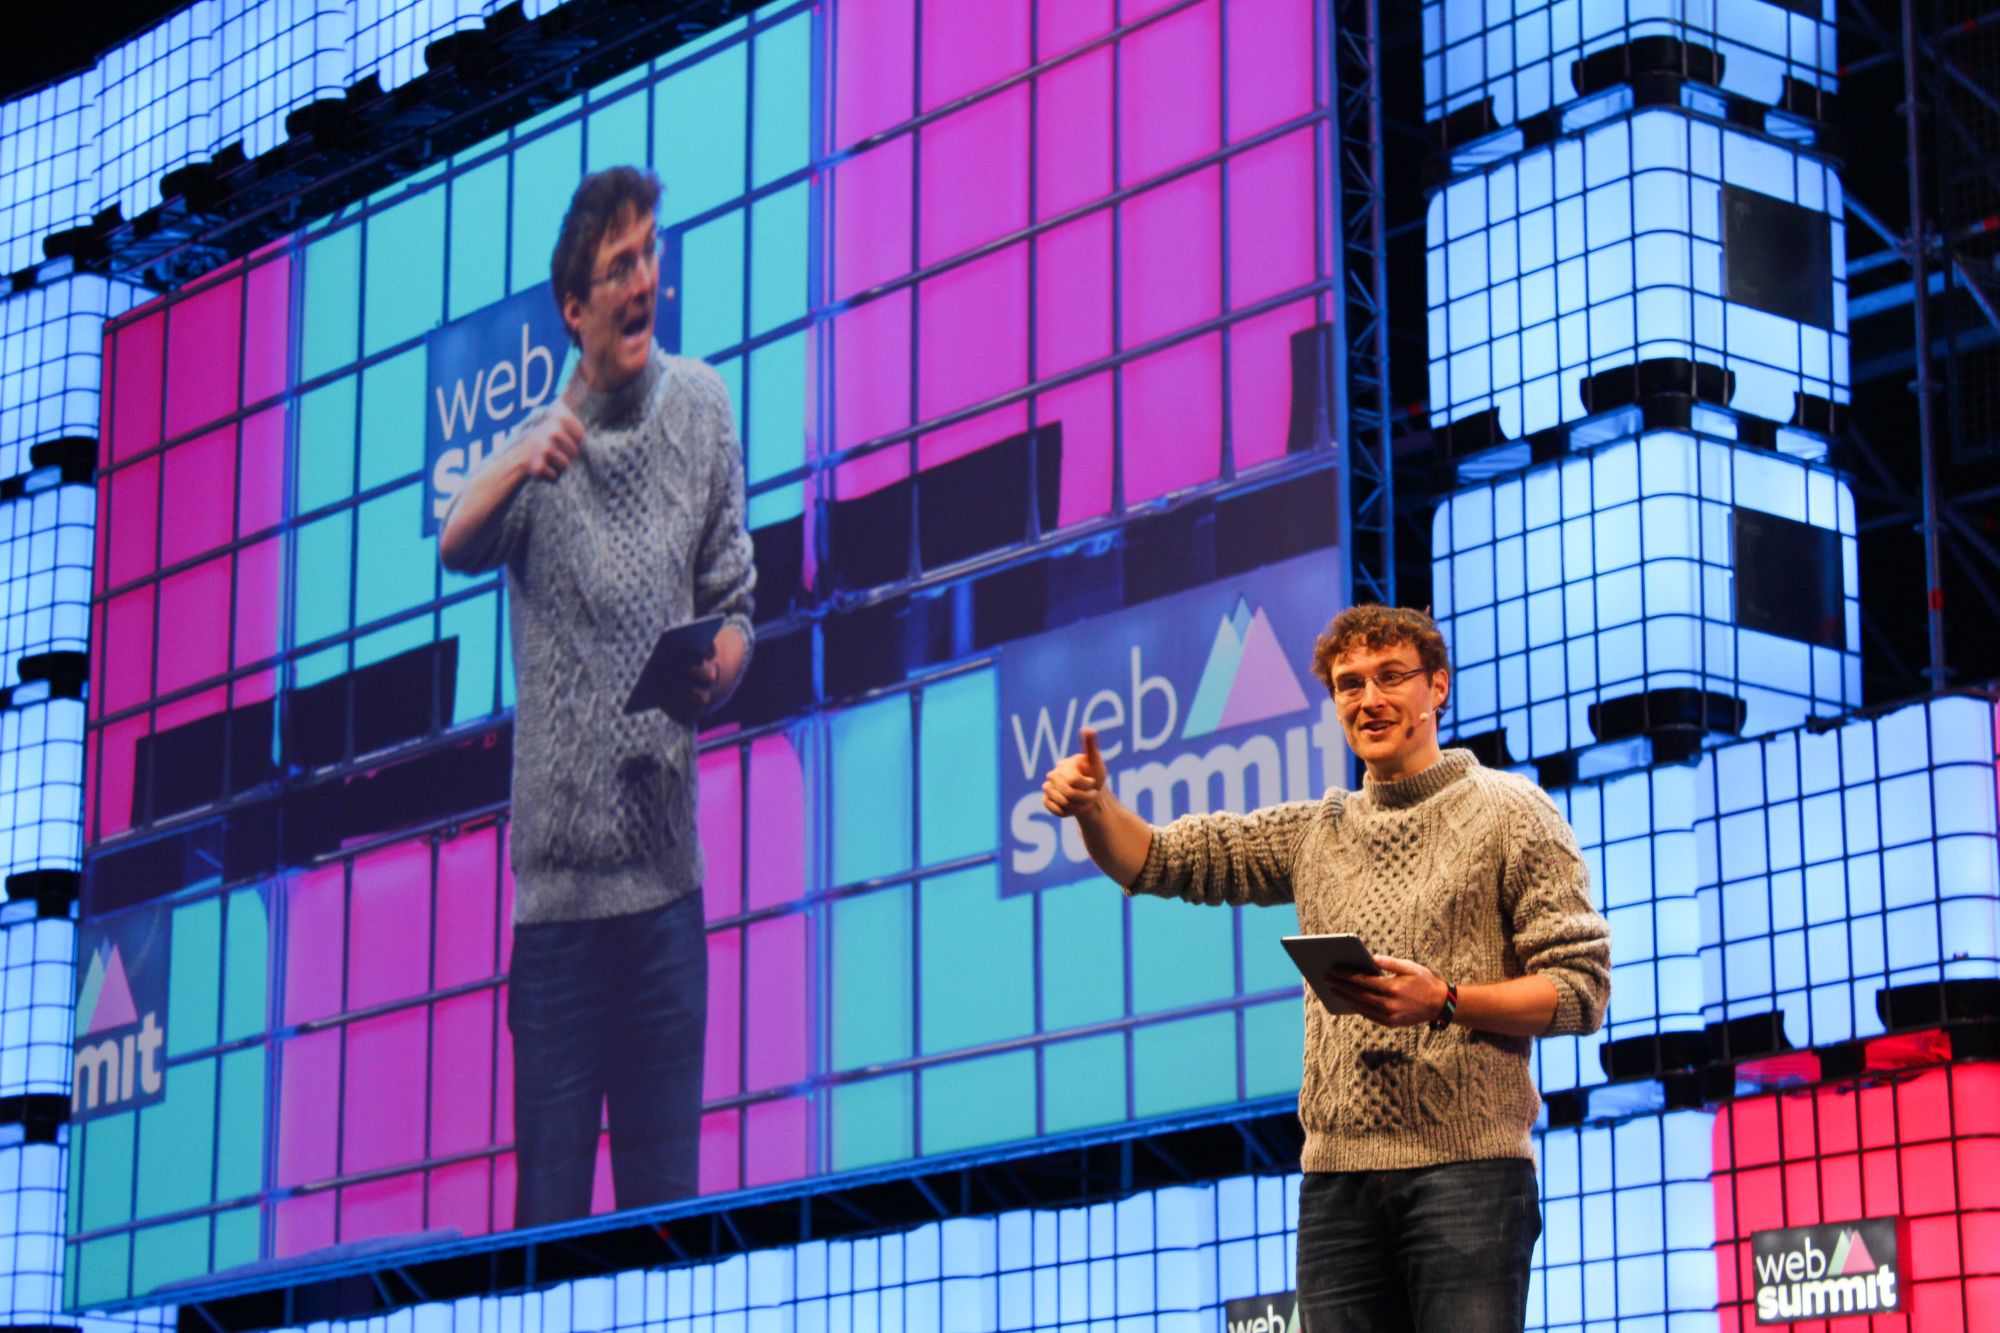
1445,1015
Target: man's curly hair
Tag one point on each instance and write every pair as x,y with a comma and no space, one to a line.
1371,627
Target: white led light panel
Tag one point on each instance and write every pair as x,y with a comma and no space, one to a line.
1834,865
51,354
1628,1222
1523,53
214,73
48,166
1612,573
41,786
37,999
1606,248
1636,831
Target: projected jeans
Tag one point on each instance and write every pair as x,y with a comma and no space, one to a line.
608,1016
1440,1249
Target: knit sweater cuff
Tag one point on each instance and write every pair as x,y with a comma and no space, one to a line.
1568,1019
1152,876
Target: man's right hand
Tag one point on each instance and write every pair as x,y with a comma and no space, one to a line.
552,444
1076,786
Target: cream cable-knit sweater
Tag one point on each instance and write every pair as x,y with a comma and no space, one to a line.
1467,870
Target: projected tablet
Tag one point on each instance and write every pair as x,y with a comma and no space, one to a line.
678,648
1317,955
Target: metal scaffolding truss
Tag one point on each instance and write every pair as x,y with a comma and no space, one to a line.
1362,347
1950,249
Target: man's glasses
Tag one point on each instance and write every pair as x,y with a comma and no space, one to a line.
622,268
1348,687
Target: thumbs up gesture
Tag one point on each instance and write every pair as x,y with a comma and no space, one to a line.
1077,785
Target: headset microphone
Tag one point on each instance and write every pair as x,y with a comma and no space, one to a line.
1424,716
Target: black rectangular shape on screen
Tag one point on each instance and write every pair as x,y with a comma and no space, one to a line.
392,698
472,774
778,684
180,768
1777,257
1311,420
1809,8
778,551
980,502
865,648
391,702
1788,579
868,537
129,876
1272,523
971,505
316,724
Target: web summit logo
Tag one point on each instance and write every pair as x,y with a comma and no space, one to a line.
1826,1271
119,1035
1262,1314
1246,679
1196,704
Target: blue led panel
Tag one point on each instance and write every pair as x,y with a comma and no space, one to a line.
1628,1222
41,785
31,1228
37,999
1524,54
1637,835
1608,247
271,57
155,106
45,551
390,35
51,353
1834,865
1612,573
215,73
48,166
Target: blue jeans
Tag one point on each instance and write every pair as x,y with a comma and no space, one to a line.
1438,1249
608,1016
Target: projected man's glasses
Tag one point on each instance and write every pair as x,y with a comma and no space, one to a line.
620,271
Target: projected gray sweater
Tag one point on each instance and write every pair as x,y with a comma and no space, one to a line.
645,530
1469,871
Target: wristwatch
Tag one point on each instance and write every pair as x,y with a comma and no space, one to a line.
1443,1020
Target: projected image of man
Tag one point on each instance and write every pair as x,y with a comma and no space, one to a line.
617,511
1418,1210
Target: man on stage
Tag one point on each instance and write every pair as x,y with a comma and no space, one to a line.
1419,1209
617,512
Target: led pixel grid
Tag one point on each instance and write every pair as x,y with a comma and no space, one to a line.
51,349
1523,56
1607,248
41,785
1636,832
1610,573
1835,864
1136,232
1924,1147
48,164
264,504
37,997
1628,1226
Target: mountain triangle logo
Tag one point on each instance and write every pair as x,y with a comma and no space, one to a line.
1246,678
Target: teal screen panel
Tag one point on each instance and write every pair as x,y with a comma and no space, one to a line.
976,962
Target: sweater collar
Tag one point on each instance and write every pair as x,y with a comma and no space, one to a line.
1406,792
622,405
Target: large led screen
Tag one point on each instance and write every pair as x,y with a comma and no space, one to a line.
985,285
